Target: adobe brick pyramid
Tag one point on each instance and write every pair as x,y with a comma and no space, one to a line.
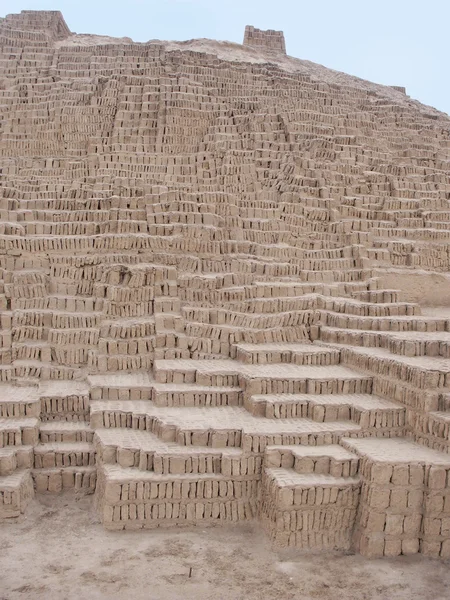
224,290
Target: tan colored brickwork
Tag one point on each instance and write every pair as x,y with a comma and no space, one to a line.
264,40
200,322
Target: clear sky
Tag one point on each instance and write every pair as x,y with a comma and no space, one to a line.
393,42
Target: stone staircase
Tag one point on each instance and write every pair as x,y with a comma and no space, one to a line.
19,431
195,417
279,433
64,457
310,496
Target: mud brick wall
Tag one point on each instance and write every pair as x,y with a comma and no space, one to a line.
404,509
313,505
264,40
200,246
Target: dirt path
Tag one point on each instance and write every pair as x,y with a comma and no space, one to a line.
61,552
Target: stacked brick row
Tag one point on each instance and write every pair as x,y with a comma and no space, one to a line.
404,506
19,432
150,500
312,503
264,40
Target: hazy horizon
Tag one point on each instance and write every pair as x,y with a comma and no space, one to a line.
402,43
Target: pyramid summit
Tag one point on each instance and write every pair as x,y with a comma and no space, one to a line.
224,291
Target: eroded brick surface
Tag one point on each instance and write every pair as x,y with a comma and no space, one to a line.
212,264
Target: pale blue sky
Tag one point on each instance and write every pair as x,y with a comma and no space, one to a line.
393,42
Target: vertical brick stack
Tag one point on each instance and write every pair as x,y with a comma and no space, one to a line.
264,40
405,500
311,503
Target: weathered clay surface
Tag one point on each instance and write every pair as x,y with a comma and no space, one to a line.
200,246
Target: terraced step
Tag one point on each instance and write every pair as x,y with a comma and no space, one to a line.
172,345
221,337
443,420
28,371
364,409
58,479
64,454
64,401
381,296
115,363
422,372
166,305
292,379
169,322
331,460
260,307
329,276
433,430
388,323
188,395
308,510
16,491
7,374
353,307
40,351
19,402
127,498
19,432
298,354
213,372
284,289
291,489
289,312
66,431
216,427
15,457
407,343
404,497
420,344
126,386
145,451
263,379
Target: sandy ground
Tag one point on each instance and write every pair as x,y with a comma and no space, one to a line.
61,552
